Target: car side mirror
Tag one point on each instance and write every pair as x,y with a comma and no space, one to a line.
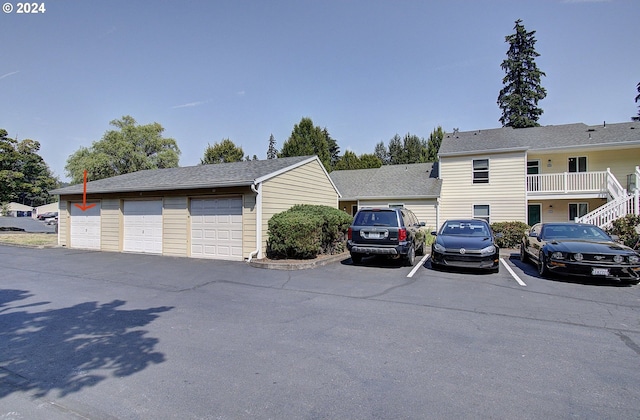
615,238
434,233
422,224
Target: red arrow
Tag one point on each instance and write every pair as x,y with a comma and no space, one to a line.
84,206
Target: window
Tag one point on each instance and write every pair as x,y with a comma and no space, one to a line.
481,211
578,164
577,210
481,171
533,167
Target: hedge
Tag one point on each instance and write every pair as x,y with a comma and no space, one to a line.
625,229
306,230
512,233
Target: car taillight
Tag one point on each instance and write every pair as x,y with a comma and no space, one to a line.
350,233
402,234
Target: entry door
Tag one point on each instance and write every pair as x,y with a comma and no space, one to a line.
216,228
534,214
143,226
85,227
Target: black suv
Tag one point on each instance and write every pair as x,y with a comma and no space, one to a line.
385,231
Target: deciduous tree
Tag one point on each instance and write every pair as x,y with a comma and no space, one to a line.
128,148
24,175
224,152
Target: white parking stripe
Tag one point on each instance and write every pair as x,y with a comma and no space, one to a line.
513,274
417,266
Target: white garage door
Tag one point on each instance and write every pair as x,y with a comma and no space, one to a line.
143,226
85,227
216,228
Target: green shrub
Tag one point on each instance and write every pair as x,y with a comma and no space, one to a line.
305,230
512,233
625,229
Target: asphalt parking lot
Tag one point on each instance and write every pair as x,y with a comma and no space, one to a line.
104,335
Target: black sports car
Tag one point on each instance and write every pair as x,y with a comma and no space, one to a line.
580,250
468,243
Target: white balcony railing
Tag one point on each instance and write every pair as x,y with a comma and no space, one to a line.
602,182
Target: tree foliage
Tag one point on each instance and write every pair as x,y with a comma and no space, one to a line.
381,153
224,152
403,150
128,148
519,97
637,118
24,176
307,140
433,144
272,152
352,161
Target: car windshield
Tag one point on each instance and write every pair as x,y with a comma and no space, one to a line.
574,232
465,229
376,218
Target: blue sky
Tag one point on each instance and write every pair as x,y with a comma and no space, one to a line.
243,70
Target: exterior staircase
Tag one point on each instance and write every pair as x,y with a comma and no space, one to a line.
620,204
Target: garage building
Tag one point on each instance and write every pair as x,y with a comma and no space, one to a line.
218,211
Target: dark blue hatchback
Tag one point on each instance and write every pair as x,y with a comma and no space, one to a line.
466,243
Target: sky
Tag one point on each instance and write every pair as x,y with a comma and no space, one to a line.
365,70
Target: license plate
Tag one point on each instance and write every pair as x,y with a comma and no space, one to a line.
600,271
374,235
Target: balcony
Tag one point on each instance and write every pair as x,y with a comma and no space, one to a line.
600,184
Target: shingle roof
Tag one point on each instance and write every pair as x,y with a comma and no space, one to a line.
542,138
188,177
389,181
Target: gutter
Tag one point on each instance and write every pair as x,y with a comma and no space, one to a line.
257,188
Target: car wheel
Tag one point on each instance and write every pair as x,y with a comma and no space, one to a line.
410,258
523,254
356,258
542,265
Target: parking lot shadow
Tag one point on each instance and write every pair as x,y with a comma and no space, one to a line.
67,349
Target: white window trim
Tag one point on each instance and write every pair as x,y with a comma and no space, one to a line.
473,211
473,171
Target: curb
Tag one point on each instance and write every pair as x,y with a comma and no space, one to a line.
298,264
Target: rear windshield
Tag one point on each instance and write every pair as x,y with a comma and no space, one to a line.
376,218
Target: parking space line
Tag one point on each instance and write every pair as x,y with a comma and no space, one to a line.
513,274
417,266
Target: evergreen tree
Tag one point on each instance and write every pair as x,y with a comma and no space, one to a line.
272,152
433,144
381,153
334,149
519,97
637,99
307,140
368,160
396,151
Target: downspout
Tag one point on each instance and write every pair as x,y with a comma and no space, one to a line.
258,192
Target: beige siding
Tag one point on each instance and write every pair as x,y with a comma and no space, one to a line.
505,193
63,223
425,210
110,220
621,162
558,210
308,184
175,226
